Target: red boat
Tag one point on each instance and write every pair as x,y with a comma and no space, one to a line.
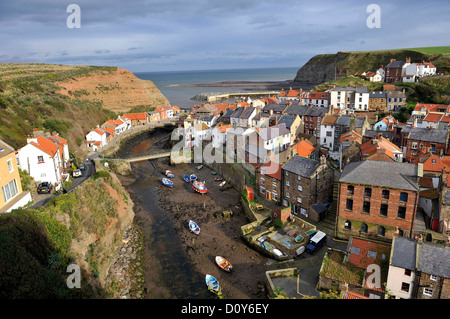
199,187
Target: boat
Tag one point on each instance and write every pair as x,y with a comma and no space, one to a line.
214,173
199,167
167,182
193,177
212,284
218,179
299,238
194,227
224,264
199,187
187,178
169,174
222,184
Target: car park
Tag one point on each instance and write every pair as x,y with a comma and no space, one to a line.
76,173
44,188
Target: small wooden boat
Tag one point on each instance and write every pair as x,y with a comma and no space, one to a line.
218,179
186,178
169,174
199,187
212,284
224,264
199,167
167,182
193,177
194,227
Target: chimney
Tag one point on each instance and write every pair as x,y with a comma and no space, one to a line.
420,170
408,60
392,60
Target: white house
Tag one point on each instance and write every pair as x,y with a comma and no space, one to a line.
97,135
327,129
42,159
362,98
425,69
196,134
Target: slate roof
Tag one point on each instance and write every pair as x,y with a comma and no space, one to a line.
428,135
228,114
318,207
379,95
288,120
271,132
359,89
247,112
237,113
317,111
299,110
403,253
434,260
345,121
384,174
301,166
395,64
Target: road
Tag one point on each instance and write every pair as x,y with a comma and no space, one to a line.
42,199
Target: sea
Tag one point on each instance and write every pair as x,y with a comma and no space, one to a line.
170,83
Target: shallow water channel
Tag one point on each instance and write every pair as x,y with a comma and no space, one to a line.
168,272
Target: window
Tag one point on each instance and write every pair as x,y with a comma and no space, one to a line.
10,167
40,159
428,292
372,254
381,231
299,200
274,187
350,190
355,250
385,194
384,210
10,190
287,195
367,192
364,228
405,287
433,277
263,181
349,204
303,211
299,178
408,272
300,188
403,197
287,183
401,212
347,225
366,207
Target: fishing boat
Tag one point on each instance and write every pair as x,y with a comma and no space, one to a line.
193,177
213,173
169,174
224,264
212,284
199,167
194,227
167,182
218,179
187,178
199,187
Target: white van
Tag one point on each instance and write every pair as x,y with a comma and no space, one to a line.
316,241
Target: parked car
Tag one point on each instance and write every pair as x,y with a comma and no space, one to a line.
82,166
44,188
316,241
76,173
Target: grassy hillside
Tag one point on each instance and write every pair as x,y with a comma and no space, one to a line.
29,99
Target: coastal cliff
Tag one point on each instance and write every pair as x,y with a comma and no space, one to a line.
328,67
119,90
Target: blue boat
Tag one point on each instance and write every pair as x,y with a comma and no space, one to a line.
167,182
212,284
186,178
194,227
169,174
193,177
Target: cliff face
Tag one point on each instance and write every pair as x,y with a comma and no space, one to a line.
119,91
327,67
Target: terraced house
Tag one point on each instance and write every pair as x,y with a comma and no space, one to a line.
377,199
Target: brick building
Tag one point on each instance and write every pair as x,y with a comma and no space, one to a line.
306,182
268,181
424,140
377,198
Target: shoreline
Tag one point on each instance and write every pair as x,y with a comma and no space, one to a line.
244,84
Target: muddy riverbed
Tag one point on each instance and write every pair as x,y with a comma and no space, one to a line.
176,260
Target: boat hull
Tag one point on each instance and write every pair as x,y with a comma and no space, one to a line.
224,264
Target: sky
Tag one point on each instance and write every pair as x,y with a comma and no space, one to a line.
172,35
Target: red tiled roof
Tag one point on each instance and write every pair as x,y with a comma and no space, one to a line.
45,145
136,116
270,165
303,148
433,117
430,162
353,295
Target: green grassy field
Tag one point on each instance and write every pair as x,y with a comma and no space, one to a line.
425,50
